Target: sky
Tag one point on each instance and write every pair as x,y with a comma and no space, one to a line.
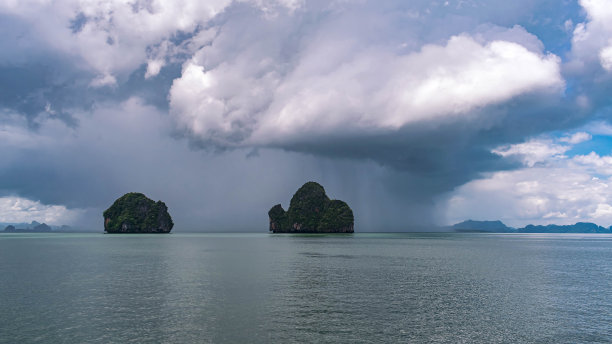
416,113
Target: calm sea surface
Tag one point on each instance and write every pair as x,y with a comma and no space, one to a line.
261,288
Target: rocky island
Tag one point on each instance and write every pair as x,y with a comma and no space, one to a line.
135,213
311,211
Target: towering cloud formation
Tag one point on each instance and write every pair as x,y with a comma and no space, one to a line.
330,89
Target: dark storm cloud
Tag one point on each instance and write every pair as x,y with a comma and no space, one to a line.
27,90
438,157
56,91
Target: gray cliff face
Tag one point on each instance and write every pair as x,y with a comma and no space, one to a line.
311,211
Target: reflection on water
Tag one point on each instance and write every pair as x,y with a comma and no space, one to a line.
260,288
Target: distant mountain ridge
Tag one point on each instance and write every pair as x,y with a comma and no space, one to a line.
33,227
500,227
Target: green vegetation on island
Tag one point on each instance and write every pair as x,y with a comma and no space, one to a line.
135,213
311,211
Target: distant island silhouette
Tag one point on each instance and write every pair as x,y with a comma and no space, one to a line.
34,227
500,227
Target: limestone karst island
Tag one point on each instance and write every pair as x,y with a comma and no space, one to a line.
311,211
135,213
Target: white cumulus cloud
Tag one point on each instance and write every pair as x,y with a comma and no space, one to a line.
558,189
533,151
576,138
560,195
592,40
334,86
19,209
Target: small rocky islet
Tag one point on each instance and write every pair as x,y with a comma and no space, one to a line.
136,213
311,211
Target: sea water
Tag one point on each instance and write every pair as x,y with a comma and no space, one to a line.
264,288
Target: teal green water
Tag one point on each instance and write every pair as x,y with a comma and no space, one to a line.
261,288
